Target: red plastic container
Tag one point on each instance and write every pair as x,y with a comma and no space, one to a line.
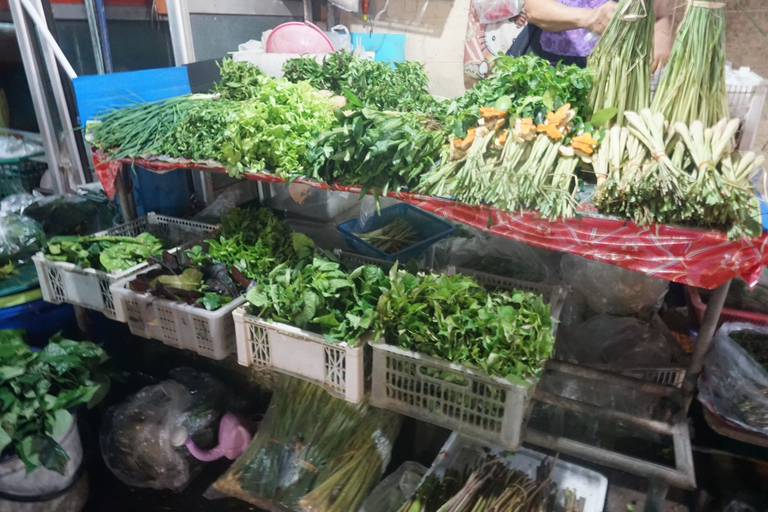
698,306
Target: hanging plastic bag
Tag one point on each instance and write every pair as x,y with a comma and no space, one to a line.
20,238
340,38
494,11
732,384
611,289
620,342
346,5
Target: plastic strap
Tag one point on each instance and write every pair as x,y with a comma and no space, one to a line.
708,5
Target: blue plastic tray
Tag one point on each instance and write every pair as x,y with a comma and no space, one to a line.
429,230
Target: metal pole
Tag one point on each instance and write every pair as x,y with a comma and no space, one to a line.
704,340
125,195
93,28
42,29
656,495
61,105
42,111
181,32
586,372
101,20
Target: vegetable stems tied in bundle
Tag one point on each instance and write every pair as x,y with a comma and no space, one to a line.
391,238
622,59
693,86
686,174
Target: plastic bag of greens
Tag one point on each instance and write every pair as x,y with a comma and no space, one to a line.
618,341
20,237
495,11
16,203
394,490
733,384
611,289
136,437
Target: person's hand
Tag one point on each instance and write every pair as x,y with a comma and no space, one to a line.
520,20
600,17
662,43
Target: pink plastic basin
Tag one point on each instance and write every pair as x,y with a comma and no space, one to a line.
297,37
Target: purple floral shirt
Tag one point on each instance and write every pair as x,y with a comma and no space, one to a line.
571,42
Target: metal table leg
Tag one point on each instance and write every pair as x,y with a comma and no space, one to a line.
125,195
656,495
703,341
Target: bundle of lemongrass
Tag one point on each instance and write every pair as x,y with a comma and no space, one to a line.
622,59
313,452
693,86
654,173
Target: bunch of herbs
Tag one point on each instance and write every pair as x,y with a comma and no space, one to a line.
37,391
505,334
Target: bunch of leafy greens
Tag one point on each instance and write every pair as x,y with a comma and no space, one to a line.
272,130
380,151
37,389
530,83
322,298
199,133
399,87
240,81
505,334
109,253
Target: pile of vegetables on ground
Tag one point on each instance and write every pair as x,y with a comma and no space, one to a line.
530,136
334,451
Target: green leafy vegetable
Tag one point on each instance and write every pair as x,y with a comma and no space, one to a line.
38,388
109,253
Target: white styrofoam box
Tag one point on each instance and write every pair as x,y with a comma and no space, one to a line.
460,452
337,367
744,102
452,395
209,333
66,282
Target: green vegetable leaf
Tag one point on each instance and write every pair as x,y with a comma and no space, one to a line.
601,117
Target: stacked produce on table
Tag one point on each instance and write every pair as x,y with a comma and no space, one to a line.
530,136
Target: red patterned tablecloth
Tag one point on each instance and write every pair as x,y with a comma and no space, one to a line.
689,256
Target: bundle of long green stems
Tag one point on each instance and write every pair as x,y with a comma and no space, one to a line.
693,86
622,59
490,487
313,452
656,173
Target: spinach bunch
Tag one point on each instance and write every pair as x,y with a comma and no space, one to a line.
505,334
377,150
321,298
37,389
108,253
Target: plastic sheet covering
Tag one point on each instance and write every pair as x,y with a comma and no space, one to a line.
494,11
136,436
313,452
622,342
695,257
732,384
394,490
16,203
613,290
20,238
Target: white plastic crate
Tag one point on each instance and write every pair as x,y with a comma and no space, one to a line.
454,396
66,282
337,367
745,102
460,452
209,333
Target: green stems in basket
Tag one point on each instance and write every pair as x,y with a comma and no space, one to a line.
693,86
622,60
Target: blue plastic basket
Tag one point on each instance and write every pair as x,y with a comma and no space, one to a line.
429,229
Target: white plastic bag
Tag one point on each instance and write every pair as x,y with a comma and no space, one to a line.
394,490
494,11
346,5
340,38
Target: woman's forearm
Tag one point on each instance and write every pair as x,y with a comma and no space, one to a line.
553,16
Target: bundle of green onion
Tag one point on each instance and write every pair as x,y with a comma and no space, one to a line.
622,59
693,86
392,237
313,452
